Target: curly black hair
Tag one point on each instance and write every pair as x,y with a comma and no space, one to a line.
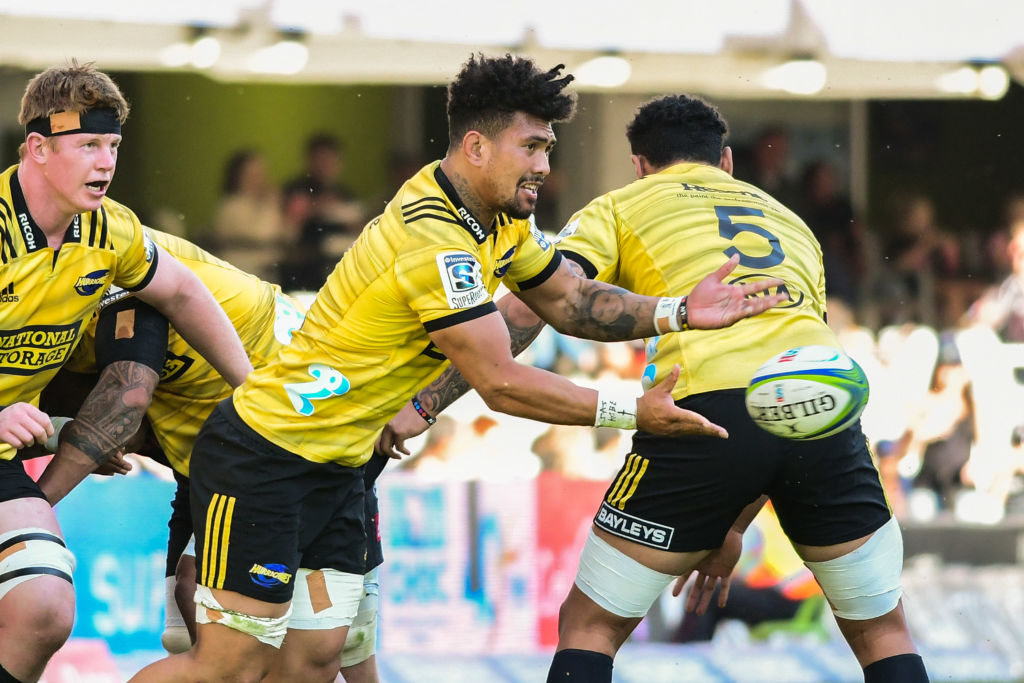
489,91
677,128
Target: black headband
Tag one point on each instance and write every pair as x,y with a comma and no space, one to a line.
103,120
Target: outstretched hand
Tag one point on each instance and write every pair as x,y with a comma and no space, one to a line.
714,303
657,413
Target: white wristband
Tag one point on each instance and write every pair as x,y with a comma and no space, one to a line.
666,314
53,440
615,410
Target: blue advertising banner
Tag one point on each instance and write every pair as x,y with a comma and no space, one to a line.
117,529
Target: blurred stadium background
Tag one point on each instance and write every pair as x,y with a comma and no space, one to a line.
911,98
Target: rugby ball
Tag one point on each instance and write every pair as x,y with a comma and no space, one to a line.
807,392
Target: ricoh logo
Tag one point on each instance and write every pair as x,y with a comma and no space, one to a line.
26,230
7,295
478,231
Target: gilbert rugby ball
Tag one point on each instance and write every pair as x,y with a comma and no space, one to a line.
807,392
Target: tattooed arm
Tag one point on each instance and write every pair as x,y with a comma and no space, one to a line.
109,417
596,310
523,327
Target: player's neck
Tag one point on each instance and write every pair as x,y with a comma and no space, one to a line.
483,213
51,218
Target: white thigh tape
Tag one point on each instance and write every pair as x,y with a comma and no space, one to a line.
617,582
361,641
269,630
865,583
325,599
29,553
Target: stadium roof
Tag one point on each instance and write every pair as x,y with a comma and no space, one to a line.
863,49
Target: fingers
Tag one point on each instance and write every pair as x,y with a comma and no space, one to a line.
677,587
759,286
669,383
726,267
723,594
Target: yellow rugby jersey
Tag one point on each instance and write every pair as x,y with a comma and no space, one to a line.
190,387
47,296
661,234
423,265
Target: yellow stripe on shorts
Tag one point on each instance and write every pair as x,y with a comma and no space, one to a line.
629,479
216,537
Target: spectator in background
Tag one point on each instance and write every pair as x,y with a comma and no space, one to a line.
829,214
929,458
323,211
771,173
1001,307
249,227
919,253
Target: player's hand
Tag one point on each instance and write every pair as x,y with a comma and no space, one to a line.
117,464
657,413
716,568
405,425
23,425
714,303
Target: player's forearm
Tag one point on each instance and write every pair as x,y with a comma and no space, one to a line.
523,327
536,394
110,415
112,412
67,469
603,312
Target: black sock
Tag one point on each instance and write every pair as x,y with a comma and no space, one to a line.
580,666
908,668
6,677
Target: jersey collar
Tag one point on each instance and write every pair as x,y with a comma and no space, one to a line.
466,219
32,235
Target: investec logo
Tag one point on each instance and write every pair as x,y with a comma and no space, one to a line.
634,528
36,348
7,295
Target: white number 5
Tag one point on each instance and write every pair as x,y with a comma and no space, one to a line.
326,382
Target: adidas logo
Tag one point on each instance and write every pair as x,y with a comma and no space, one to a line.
7,294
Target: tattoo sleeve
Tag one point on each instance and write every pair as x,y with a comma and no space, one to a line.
113,410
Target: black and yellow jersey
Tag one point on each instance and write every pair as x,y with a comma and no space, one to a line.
47,296
661,234
425,264
189,386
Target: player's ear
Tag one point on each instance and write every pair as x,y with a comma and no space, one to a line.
639,165
726,162
474,147
34,146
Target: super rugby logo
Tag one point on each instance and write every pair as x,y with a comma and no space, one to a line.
269,575
36,348
790,302
462,279
539,237
90,283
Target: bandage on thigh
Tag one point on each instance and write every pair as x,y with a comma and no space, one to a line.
30,553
